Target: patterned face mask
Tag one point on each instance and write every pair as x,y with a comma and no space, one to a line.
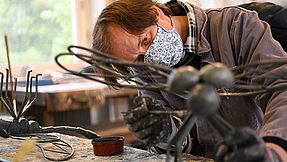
166,48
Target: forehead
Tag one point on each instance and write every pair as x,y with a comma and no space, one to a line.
118,34
122,43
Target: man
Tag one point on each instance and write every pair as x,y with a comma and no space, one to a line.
178,34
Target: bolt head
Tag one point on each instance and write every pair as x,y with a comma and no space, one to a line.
182,79
217,75
203,100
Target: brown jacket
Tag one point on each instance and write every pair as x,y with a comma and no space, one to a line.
235,36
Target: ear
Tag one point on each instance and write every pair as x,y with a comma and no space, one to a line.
162,19
159,13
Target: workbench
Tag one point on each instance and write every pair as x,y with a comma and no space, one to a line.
84,152
82,103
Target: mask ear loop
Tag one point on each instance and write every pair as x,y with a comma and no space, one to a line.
172,24
171,21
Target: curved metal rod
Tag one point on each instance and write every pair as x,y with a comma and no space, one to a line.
100,60
8,108
175,142
60,129
109,59
244,72
254,92
178,113
7,82
114,60
30,102
15,85
6,93
5,100
1,86
39,137
62,149
255,64
26,96
87,76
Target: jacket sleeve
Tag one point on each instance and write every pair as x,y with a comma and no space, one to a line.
253,42
275,15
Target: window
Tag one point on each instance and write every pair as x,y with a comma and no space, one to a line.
39,30
36,30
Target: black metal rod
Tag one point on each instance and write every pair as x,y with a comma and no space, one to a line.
6,98
60,129
1,96
1,84
28,105
179,137
222,126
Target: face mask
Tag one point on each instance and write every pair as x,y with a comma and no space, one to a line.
166,48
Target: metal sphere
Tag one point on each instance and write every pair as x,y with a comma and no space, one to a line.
217,75
182,79
203,100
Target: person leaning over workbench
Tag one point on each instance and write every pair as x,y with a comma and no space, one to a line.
178,33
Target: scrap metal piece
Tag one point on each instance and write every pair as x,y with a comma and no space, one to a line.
28,100
52,147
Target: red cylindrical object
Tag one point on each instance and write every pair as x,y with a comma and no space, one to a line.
106,146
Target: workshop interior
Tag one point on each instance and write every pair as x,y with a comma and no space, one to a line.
54,106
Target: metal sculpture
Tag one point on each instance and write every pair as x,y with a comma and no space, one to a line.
52,147
102,61
235,81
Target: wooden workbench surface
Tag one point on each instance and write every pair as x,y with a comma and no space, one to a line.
84,152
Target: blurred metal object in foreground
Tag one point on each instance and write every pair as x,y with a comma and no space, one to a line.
202,89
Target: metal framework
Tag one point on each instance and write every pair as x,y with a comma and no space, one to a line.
243,85
52,147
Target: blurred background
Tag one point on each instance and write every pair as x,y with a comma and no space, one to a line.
39,30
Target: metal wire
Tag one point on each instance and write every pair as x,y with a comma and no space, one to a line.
52,147
39,137
100,61
58,151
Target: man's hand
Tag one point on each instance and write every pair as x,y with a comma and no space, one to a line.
148,128
244,146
